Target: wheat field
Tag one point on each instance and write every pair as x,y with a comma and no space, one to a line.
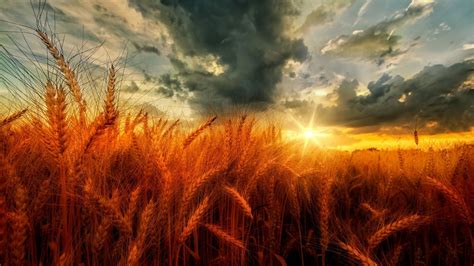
121,188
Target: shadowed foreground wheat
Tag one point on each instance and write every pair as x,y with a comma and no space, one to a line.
117,189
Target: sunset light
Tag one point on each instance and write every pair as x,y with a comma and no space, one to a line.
309,134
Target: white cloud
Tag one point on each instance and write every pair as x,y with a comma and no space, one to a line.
443,27
418,3
362,11
379,42
108,20
468,46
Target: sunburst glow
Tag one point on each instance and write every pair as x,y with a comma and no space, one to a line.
309,134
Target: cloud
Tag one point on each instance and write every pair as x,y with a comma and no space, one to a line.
468,46
227,52
170,85
131,88
439,98
150,109
362,11
323,14
442,27
378,42
146,48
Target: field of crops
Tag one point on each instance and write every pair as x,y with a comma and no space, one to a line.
125,188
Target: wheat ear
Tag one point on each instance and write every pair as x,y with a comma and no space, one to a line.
410,222
13,117
138,246
99,203
55,100
358,255
67,71
102,234
224,236
194,220
101,124
453,197
239,200
189,139
170,128
415,136
109,109
192,190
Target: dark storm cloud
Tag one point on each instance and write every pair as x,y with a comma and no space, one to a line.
170,85
246,39
378,42
146,48
437,95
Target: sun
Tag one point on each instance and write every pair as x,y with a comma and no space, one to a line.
309,134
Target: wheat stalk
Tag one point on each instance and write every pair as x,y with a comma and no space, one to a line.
228,130
20,226
167,189
145,222
42,197
324,213
259,174
240,128
397,252
19,236
3,229
133,255
374,213
98,129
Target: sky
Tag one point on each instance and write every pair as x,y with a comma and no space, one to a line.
347,67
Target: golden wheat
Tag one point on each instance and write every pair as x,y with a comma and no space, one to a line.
67,71
456,200
194,220
189,139
135,190
224,236
357,254
411,222
240,201
11,118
